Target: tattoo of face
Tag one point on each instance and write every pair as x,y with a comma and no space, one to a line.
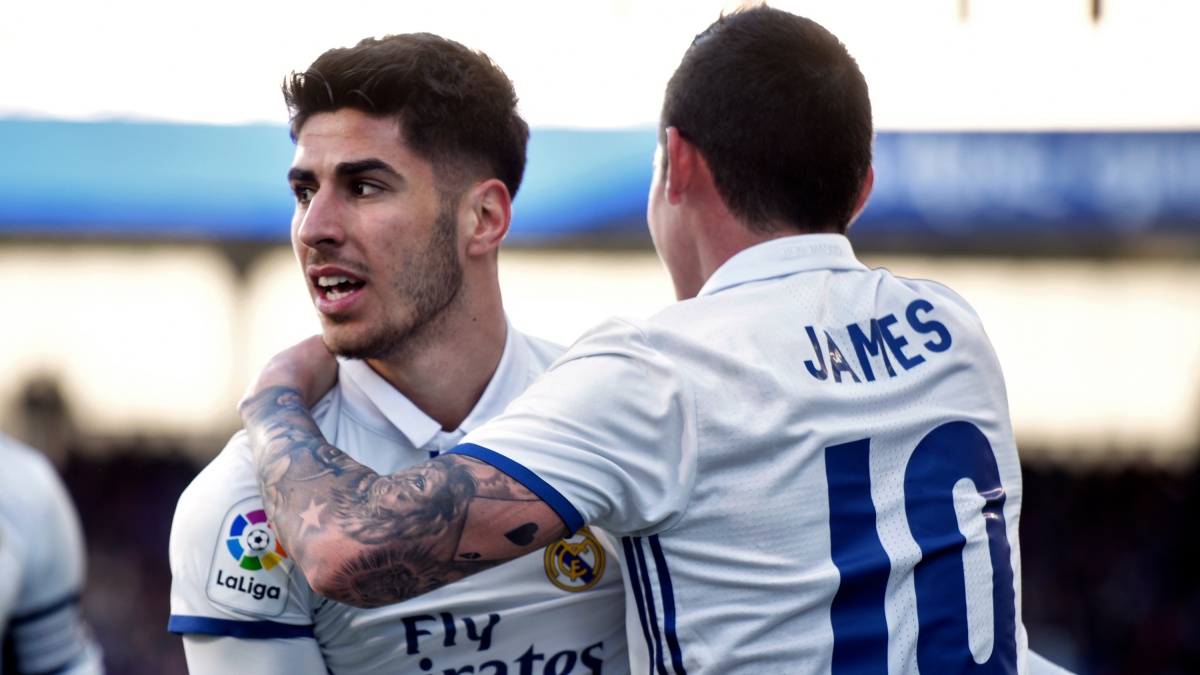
376,510
380,577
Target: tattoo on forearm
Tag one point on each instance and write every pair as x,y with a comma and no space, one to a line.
523,535
407,528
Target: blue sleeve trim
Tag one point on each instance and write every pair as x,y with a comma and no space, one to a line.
36,614
255,630
529,479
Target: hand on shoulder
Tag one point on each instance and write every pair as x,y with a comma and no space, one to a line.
306,367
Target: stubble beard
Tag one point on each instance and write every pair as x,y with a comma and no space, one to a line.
431,283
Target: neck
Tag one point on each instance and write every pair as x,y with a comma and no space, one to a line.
446,371
720,235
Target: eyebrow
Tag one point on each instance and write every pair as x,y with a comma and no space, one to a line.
344,169
363,166
300,175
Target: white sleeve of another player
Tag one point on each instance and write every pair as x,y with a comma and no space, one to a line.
610,428
49,632
217,655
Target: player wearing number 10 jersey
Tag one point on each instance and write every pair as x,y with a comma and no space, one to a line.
810,462
833,486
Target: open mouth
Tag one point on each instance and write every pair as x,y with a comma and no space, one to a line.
337,287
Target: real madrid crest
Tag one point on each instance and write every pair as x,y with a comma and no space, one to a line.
577,563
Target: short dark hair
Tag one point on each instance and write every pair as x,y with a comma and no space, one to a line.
780,111
454,106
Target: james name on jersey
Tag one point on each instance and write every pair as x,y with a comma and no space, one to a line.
875,338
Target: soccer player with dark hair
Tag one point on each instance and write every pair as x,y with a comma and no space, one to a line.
409,150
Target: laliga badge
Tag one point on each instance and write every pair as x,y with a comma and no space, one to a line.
250,568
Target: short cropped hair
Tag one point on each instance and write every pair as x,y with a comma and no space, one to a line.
455,107
780,111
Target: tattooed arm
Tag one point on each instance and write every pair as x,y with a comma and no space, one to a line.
369,540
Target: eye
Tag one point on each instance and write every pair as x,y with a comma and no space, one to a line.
364,189
303,193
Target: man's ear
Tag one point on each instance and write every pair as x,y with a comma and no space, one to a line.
681,165
864,192
490,208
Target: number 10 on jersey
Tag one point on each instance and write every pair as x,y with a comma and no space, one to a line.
944,457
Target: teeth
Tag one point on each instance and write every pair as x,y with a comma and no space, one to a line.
332,281
335,295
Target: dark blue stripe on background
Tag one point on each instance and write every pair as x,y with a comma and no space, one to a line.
529,479
260,630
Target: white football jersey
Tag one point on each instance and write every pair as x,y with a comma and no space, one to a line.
811,465
41,570
560,610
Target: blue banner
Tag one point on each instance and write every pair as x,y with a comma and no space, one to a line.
180,181
1068,184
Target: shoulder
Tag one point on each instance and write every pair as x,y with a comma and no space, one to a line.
43,525
225,561
26,470
925,288
621,355
30,488
225,485
615,336
229,474
627,352
629,363
923,303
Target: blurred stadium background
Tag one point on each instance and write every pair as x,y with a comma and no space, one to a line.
1041,157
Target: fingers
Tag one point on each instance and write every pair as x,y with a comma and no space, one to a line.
307,367
321,369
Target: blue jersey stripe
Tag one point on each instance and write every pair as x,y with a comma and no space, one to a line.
57,606
259,630
668,601
635,583
529,479
643,570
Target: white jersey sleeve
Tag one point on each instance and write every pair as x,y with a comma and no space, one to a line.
42,551
561,431
230,575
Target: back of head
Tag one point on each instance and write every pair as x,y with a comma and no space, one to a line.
780,111
454,106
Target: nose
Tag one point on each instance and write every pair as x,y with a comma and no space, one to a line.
319,223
